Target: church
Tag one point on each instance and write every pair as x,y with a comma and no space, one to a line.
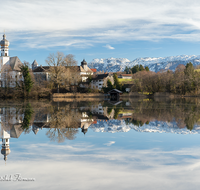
10,73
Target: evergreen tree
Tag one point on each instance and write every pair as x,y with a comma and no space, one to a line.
147,68
126,70
135,69
109,85
189,69
27,83
116,82
141,68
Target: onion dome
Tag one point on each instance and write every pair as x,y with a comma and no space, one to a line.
83,62
4,42
5,151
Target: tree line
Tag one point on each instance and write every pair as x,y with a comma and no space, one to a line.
184,81
135,69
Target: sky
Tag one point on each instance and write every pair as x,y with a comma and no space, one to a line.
91,29
92,161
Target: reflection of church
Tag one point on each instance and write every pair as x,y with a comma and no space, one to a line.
6,133
10,127
5,143
12,119
43,120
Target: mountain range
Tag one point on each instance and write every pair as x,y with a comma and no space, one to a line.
154,64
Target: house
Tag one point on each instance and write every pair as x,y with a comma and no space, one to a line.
41,73
9,66
125,76
99,81
114,94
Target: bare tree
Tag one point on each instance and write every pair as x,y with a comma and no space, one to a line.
60,68
70,61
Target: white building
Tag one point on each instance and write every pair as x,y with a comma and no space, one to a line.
9,66
99,81
125,76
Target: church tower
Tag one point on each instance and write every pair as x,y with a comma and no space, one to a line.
4,58
84,64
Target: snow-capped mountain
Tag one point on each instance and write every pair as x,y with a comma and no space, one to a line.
154,64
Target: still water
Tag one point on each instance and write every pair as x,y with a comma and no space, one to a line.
132,144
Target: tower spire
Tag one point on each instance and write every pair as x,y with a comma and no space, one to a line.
4,46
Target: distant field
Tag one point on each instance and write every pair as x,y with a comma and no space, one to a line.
126,80
198,70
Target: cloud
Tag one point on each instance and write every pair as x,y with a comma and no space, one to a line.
114,167
109,46
83,23
110,143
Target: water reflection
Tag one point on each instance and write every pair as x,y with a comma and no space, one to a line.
62,120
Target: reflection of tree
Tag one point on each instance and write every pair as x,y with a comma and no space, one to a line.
190,122
117,111
64,123
27,118
59,135
186,112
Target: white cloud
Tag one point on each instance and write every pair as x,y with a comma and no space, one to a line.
110,143
82,23
109,46
115,168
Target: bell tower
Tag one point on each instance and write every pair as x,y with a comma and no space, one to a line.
4,57
4,46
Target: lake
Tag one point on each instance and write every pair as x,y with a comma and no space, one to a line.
131,144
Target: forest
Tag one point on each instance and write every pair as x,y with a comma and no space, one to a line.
185,80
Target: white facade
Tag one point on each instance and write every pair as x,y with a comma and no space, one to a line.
4,59
9,66
97,84
101,81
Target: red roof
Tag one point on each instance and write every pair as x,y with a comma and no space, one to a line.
126,75
94,70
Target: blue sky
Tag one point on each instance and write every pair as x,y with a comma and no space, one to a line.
101,29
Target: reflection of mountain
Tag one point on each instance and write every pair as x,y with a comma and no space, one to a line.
166,127
114,126
111,126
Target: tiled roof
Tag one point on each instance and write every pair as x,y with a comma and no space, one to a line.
115,90
15,63
99,77
35,63
94,70
46,68
41,69
126,75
